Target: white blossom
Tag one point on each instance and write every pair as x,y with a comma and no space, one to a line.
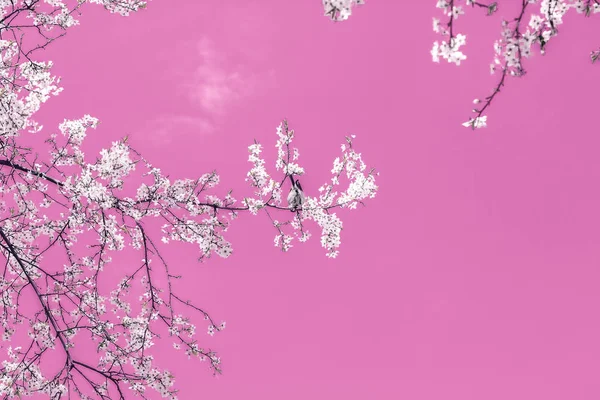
478,122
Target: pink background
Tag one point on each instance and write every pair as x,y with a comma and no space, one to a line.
472,276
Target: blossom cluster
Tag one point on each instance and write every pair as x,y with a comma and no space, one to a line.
448,49
319,209
340,10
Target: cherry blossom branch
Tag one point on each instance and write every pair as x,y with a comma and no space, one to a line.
45,308
512,65
30,171
516,42
91,198
449,49
490,8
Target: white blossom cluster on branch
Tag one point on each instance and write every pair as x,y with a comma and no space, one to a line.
66,217
520,34
361,186
340,10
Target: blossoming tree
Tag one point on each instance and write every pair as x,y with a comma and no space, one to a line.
65,217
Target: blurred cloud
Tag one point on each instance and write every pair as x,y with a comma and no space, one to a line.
208,80
216,83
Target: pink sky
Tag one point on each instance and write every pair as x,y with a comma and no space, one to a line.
472,276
